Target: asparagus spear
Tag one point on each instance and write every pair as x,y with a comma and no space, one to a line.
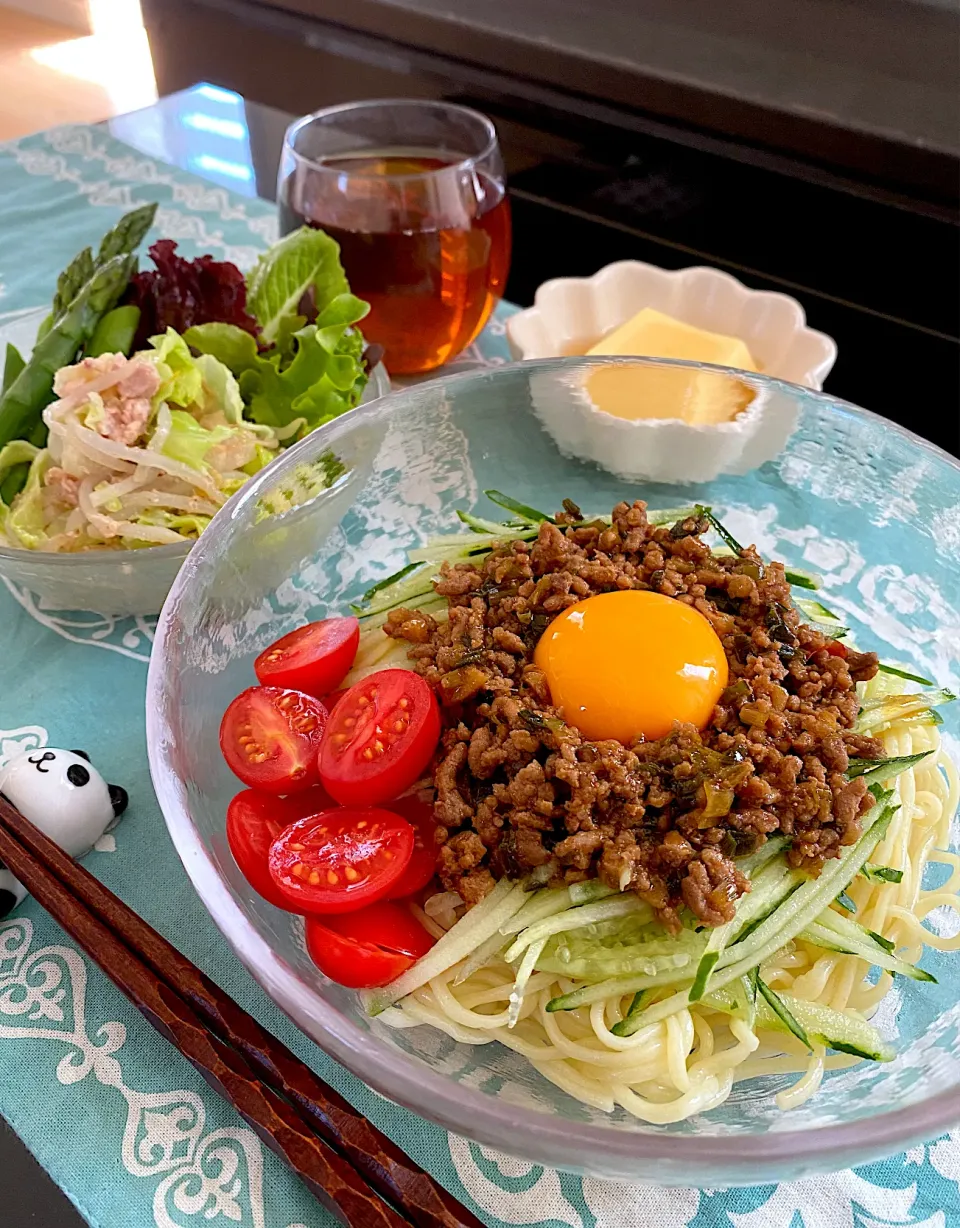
123,239
23,402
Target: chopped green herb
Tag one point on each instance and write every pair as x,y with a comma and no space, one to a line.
722,530
881,874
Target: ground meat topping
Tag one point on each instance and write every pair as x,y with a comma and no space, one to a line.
517,788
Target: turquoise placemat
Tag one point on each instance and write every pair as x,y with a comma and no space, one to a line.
121,1122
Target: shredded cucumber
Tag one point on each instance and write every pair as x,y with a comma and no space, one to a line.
482,921
601,965
768,890
574,918
882,770
796,912
780,1008
589,892
844,1031
886,709
545,903
834,932
896,672
524,972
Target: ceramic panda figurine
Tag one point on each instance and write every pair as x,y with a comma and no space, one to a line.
62,793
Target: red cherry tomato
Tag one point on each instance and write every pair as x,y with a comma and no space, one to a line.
270,738
384,925
381,737
423,863
339,860
314,658
358,965
254,820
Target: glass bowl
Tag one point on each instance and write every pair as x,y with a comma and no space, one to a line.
111,582
873,508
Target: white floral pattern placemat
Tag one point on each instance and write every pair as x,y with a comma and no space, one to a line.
122,1123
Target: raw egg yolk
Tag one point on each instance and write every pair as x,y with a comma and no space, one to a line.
626,664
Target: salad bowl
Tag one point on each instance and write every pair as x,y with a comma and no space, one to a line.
109,582
865,503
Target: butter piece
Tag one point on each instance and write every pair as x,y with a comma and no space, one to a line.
703,397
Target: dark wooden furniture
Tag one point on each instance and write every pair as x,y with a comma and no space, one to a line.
669,132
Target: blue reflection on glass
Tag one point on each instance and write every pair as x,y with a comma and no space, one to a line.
232,129
213,167
215,93
203,129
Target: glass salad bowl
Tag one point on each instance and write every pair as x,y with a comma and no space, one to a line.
871,507
111,582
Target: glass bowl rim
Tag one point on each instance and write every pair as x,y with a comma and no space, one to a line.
433,1095
467,163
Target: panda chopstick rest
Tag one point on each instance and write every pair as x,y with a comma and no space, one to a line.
63,794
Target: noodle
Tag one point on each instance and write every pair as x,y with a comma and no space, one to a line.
688,1062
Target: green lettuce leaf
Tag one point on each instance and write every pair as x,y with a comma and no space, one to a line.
181,382
263,458
232,346
220,389
317,379
282,275
15,461
189,442
25,520
323,381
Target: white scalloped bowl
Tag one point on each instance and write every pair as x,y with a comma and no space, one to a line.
571,314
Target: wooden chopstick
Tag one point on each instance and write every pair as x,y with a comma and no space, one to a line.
184,1001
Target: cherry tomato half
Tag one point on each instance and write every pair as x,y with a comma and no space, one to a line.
270,738
254,820
383,924
339,860
382,735
358,965
315,658
423,863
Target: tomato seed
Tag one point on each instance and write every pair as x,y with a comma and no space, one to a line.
404,703
350,874
333,877
299,870
363,701
387,855
368,754
314,878
398,726
298,848
362,823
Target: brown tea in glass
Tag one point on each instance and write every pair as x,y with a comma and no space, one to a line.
414,193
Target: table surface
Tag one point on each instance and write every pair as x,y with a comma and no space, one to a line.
212,133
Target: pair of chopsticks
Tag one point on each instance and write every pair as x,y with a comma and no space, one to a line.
354,1170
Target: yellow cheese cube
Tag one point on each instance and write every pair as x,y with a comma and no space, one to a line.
703,397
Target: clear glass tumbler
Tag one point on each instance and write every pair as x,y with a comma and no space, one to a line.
415,194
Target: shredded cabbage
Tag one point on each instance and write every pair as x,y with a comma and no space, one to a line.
141,451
